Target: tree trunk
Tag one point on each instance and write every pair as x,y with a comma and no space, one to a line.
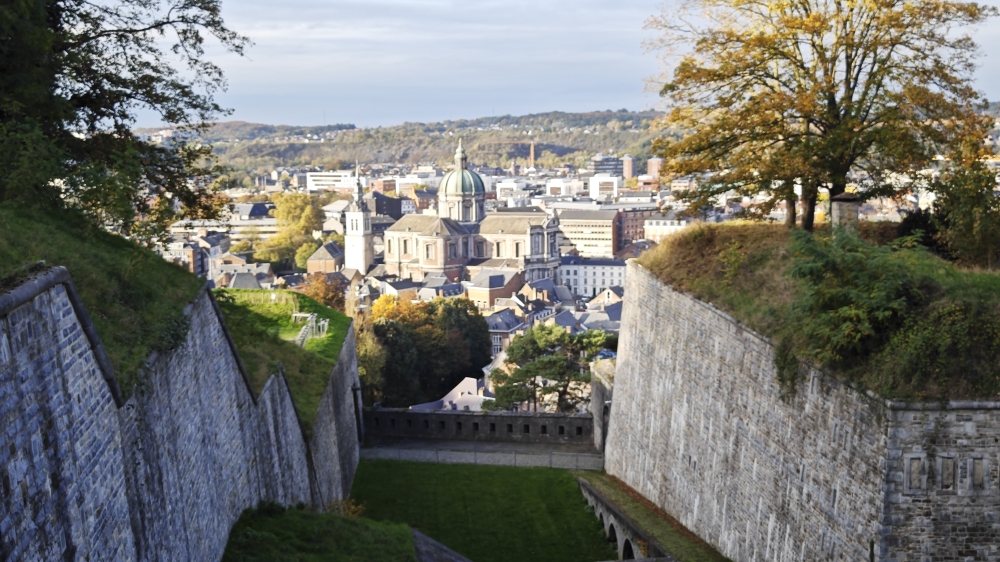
790,210
809,203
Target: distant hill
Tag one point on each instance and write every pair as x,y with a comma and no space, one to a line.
559,137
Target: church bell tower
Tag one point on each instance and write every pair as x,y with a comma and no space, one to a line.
359,248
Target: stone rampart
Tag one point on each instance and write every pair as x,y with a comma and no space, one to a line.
698,427
164,476
524,427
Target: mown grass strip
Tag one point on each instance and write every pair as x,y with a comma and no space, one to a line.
486,513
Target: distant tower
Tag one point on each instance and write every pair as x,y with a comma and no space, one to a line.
653,166
359,248
628,166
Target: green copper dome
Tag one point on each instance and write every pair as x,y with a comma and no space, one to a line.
461,181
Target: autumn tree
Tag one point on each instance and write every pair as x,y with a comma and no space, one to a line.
773,94
298,216
321,288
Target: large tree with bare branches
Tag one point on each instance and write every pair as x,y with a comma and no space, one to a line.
770,94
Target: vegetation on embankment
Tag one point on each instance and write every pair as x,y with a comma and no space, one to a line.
486,513
887,315
263,331
681,543
272,532
135,298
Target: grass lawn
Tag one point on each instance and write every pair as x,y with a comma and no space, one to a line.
271,534
487,513
682,544
262,330
135,298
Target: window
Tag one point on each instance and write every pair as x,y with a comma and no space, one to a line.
510,428
406,246
392,422
562,430
441,425
388,246
517,249
493,428
458,427
497,339
409,423
527,428
452,251
579,430
497,349
545,430
427,424
499,249
480,250
475,427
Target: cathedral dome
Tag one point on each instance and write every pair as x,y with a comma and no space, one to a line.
461,181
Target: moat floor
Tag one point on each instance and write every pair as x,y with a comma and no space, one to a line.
486,513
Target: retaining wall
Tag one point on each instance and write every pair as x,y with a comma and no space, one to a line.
524,427
698,427
164,475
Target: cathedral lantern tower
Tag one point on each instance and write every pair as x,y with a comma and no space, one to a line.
462,194
359,248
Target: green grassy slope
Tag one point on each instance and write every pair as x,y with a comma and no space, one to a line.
262,330
743,269
487,513
134,297
271,534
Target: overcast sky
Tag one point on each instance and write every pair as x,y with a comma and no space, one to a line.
383,62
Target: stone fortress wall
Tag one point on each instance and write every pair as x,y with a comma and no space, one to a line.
698,427
164,475
458,425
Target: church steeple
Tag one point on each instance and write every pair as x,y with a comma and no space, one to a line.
460,159
358,203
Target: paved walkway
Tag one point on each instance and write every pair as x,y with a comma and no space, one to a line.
429,550
559,455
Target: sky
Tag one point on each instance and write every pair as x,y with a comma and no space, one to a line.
384,62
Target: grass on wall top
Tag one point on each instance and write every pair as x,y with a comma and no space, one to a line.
744,269
263,330
135,298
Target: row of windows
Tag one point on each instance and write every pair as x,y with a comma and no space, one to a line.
442,426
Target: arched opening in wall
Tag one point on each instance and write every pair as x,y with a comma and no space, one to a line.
627,553
612,535
600,517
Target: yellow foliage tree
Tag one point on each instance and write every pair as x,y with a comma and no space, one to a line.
768,94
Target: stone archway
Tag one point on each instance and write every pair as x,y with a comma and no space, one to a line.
612,535
627,553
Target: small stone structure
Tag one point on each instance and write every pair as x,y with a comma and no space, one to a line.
845,210
631,542
524,427
163,476
698,427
